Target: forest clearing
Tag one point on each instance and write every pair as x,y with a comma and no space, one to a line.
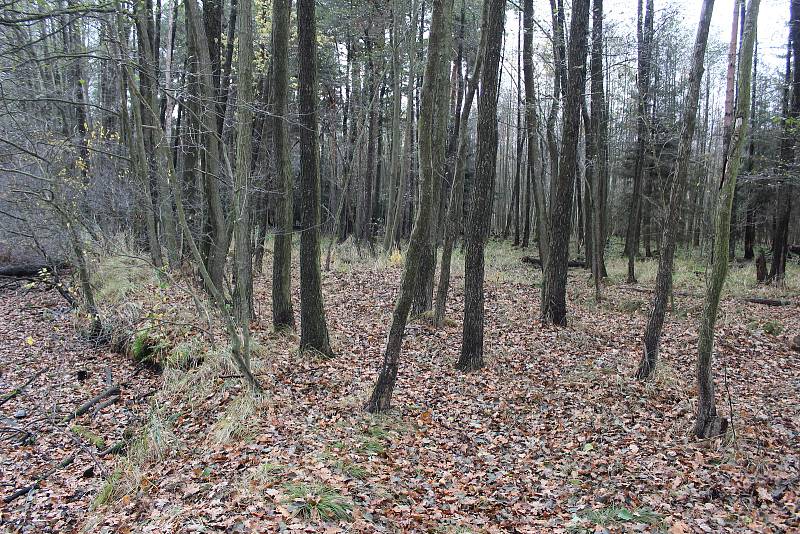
444,266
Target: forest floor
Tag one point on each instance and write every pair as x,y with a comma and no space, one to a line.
553,435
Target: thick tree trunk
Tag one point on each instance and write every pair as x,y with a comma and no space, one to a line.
679,183
313,327
282,310
708,423
554,306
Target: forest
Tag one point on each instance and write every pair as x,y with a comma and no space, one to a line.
445,266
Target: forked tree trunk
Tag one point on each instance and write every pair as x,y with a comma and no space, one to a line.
477,228
313,327
679,182
423,297
381,397
708,423
282,310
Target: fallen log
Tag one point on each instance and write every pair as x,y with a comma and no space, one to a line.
17,390
86,406
27,489
752,300
29,269
574,264
769,302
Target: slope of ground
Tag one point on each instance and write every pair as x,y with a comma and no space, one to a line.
553,435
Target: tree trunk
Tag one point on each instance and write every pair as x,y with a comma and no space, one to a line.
554,306
217,225
423,298
243,291
455,205
313,327
708,423
532,131
644,37
791,111
477,229
599,128
381,397
679,183
282,310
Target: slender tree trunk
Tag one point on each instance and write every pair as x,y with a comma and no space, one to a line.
243,291
554,307
532,127
708,423
791,111
679,183
423,298
381,397
217,224
599,127
644,37
396,139
477,228
313,327
282,310
455,205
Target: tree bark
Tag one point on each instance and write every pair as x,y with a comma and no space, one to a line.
243,291
644,38
282,309
476,231
708,423
381,397
554,306
313,326
679,183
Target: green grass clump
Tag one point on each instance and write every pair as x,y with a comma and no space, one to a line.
613,516
318,501
371,446
773,328
352,470
106,493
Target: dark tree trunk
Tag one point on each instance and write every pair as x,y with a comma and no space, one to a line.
313,327
477,228
554,306
791,111
644,37
380,400
282,310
